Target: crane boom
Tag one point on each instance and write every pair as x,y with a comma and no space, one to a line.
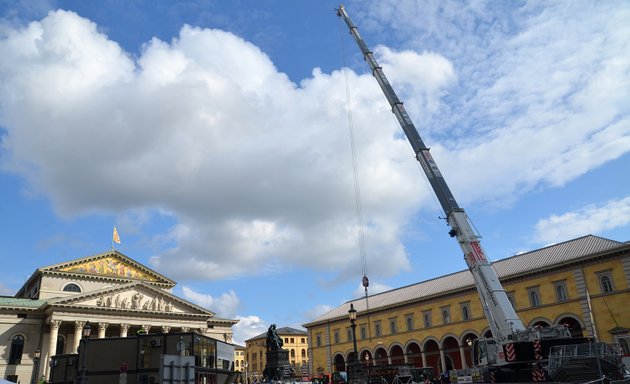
501,316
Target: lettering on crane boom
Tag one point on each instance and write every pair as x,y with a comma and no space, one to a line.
431,162
477,253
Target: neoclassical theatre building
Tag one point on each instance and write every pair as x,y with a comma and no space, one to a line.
113,294
583,284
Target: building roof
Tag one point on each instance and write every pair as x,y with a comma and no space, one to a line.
21,303
511,267
284,331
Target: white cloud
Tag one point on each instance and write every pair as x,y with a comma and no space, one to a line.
591,219
6,291
248,327
317,311
541,97
226,305
373,289
254,171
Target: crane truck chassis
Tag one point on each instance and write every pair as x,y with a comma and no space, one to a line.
514,353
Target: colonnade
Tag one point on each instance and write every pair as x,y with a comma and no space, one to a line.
55,325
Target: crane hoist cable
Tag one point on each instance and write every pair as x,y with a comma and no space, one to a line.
365,282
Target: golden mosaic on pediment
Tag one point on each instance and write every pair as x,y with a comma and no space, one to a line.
109,266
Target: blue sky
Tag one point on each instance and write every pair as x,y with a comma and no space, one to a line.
215,135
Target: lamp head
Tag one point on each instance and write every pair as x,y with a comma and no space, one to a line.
87,329
352,313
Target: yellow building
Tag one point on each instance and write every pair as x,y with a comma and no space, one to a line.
239,360
294,340
582,283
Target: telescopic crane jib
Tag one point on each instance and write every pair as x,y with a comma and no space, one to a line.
501,316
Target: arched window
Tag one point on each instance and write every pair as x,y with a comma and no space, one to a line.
17,347
606,284
446,316
293,353
72,288
534,298
561,292
304,353
465,312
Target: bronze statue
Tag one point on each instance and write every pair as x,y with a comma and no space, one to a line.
274,342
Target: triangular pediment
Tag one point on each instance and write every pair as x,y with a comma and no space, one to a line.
109,265
136,297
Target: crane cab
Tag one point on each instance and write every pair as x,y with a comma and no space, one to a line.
484,352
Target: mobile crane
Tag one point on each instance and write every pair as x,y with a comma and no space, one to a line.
514,353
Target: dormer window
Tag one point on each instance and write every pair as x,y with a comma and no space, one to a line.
72,288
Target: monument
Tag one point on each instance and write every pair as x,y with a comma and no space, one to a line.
277,367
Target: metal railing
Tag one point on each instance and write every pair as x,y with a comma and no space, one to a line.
591,363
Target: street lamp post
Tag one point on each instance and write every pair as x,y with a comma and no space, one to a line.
85,335
354,364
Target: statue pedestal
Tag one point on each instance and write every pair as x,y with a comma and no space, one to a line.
277,360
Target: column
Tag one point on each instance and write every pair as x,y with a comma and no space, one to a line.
165,328
443,360
102,327
52,344
124,328
462,354
78,332
424,358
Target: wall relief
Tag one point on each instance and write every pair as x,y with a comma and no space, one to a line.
136,301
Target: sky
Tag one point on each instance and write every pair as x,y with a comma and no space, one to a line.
243,149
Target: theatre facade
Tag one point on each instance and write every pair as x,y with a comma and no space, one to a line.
109,292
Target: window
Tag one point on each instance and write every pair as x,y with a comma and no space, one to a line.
292,341
561,291
605,281
336,337
303,340
377,329
72,288
409,321
363,332
512,299
426,316
61,345
349,334
446,315
534,296
17,347
465,311
393,329
318,340
304,353
293,353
